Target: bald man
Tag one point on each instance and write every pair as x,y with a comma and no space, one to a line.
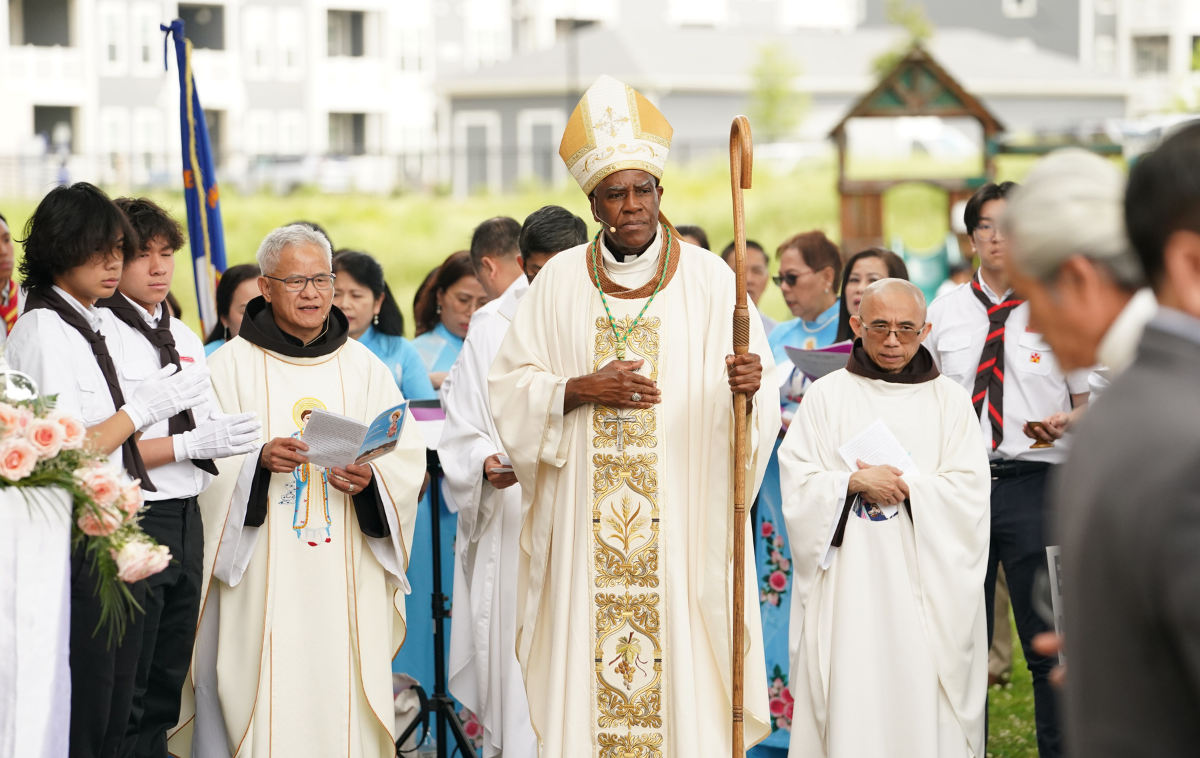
886,500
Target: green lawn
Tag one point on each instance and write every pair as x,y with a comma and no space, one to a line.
412,233
1011,732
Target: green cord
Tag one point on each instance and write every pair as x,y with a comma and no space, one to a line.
617,337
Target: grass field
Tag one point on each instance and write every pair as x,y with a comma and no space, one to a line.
1011,732
411,234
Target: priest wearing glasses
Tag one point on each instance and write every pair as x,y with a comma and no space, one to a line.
612,395
304,610
886,497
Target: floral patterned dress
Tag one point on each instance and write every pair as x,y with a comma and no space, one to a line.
773,556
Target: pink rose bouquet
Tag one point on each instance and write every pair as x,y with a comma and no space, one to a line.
41,447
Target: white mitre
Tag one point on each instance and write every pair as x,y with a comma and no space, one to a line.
612,129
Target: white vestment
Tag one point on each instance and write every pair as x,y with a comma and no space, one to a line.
302,615
626,552
484,673
888,643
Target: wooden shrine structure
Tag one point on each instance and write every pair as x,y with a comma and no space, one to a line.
917,86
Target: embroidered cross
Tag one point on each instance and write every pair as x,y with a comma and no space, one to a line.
620,421
1035,358
610,123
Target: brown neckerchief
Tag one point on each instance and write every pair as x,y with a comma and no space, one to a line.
48,298
919,370
609,287
163,340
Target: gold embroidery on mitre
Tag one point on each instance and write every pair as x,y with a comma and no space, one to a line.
629,655
611,122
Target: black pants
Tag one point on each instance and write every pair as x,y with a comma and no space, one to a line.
102,674
172,606
1019,542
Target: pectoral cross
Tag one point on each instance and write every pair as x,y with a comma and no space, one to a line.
620,421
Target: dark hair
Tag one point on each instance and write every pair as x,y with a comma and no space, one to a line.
71,226
316,228
551,229
150,221
174,306
984,194
1163,197
2,218
895,268
442,278
365,270
750,245
495,238
233,278
691,230
817,250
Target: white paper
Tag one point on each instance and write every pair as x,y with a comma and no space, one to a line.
505,464
1054,562
817,363
877,446
333,439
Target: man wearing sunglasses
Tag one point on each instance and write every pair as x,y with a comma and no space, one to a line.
890,548
289,545
983,339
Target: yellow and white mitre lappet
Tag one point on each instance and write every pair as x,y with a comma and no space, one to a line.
612,129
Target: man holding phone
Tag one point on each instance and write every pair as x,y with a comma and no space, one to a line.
983,339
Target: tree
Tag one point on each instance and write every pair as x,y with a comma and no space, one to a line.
918,28
776,107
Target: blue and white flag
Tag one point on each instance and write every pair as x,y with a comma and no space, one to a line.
205,231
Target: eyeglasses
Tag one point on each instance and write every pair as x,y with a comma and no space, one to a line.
298,283
791,279
987,232
905,334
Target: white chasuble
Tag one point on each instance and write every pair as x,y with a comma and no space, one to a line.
626,551
302,615
888,636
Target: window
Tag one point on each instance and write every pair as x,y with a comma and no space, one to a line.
204,25
477,158
289,39
45,23
346,34
114,39
215,121
347,133
1106,54
537,154
261,136
1018,8
258,33
413,49
1150,55
55,124
291,133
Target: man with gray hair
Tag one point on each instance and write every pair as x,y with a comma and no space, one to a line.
886,489
304,566
1072,262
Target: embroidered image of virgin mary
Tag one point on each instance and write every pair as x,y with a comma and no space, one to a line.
310,515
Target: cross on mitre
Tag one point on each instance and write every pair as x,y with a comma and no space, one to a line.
612,129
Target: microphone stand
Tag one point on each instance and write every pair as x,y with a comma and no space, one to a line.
439,704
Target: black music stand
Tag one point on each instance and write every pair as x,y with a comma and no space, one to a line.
439,704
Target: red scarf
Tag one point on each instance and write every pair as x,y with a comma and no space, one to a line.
9,310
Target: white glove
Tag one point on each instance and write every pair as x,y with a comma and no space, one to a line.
165,393
221,437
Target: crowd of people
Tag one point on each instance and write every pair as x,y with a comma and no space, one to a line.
900,504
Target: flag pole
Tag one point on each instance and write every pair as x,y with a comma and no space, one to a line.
741,165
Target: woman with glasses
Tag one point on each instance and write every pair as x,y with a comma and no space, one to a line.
443,311
863,270
375,320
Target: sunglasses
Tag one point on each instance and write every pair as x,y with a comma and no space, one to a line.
791,279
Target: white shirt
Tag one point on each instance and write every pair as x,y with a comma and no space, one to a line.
136,359
62,363
1118,348
1034,388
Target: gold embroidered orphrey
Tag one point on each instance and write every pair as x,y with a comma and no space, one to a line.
626,586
